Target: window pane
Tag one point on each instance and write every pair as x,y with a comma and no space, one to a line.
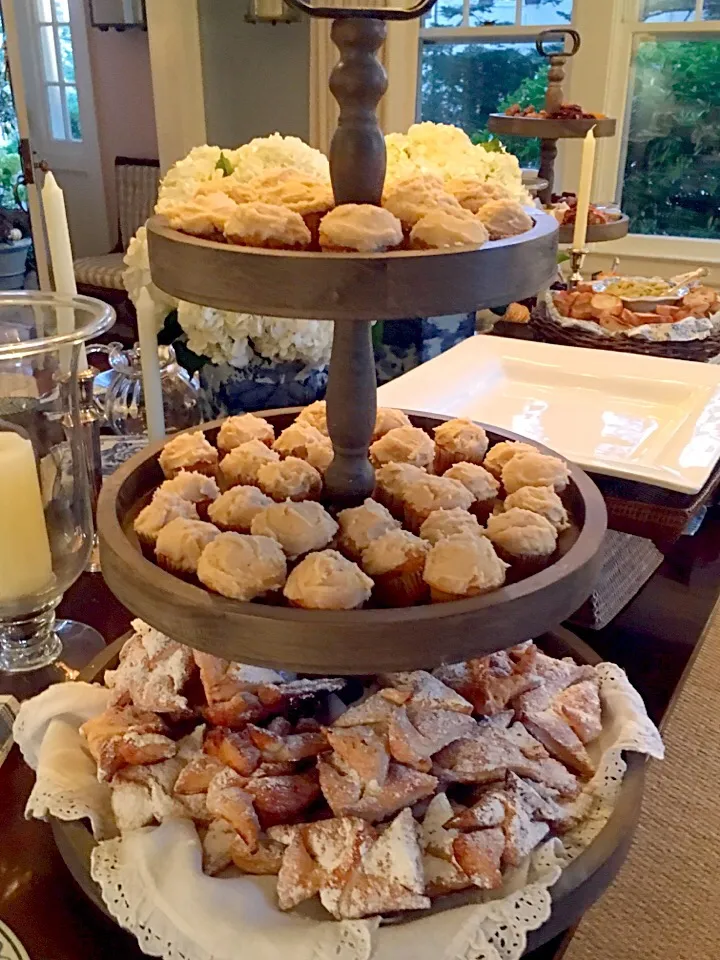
66,53
44,13
711,10
62,12
49,59
463,83
667,11
672,169
55,113
546,12
73,110
445,13
489,12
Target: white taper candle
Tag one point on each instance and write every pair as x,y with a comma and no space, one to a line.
152,387
584,190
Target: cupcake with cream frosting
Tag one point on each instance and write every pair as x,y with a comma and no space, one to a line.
298,527
403,445
237,191
440,229
505,218
502,453
328,581
459,441
523,539
315,414
360,227
390,482
472,193
195,487
242,567
460,567
481,484
267,225
188,451
426,494
163,508
290,479
457,522
412,200
180,543
396,562
206,215
241,428
304,441
535,470
387,419
542,500
241,466
359,526
235,509
309,198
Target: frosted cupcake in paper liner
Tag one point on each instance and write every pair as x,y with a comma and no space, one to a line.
442,524
267,225
195,487
426,494
180,544
242,465
523,539
535,470
502,453
290,479
403,445
359,526
235,509
390,482
304,441
460,567
481,484
396,562
472,192
191,452
360,227
315,414
505,218
309,198
206,215
411,200
542,500
298,527
242,567
163,508
387,419
327,581
448,228
459,441
239,429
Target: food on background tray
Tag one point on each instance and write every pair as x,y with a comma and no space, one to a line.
271,510
610,312
564,209
566,111
417,786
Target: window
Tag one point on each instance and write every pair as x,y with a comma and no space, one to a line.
652,64
52,19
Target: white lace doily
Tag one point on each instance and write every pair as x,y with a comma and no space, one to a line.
152,880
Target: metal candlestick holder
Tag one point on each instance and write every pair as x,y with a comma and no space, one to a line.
577,260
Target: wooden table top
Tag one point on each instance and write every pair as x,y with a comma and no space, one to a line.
653,638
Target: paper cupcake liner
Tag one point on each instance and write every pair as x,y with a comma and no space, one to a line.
482,509
200,466
414,518
444,459
167,564
391,502
523,565
401,587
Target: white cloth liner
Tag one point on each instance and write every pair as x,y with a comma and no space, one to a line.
152,880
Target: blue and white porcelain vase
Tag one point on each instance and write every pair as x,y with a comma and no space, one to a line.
261,385
401,345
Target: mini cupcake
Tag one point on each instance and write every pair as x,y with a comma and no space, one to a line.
204,216
242,567
267,225
238,430
297,527
390,482
188,451
459,441
502,453
396,562
360,227
535,470
504,218
290,479
542,500
163,508
444,228
237,191
462,567
481,484
234,510
403,445
442,524
522,538
304,441
411,200
180,543
195,487
388,419
316,415
472,193
327,581
242,465
359,526
308,198
426,494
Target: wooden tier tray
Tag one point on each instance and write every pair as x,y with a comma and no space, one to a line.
345,641
580,884
598,232
545,128
353,286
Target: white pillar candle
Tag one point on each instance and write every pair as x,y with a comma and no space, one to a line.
152,387
61,257
584,190
25,562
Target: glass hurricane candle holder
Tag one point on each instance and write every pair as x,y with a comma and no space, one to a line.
46,526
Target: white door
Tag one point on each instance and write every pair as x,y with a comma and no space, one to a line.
52,50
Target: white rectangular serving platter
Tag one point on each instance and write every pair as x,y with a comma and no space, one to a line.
640,418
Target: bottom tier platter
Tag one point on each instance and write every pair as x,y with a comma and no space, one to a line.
345,642
581,883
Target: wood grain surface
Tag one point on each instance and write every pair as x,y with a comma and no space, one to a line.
546,128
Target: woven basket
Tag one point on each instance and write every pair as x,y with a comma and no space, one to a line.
546,328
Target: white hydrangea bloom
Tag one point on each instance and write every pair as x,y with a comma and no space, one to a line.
277,152
136,277
182,180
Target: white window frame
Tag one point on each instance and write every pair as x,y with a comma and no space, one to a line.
600,77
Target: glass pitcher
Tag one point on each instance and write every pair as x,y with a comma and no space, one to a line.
124,403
